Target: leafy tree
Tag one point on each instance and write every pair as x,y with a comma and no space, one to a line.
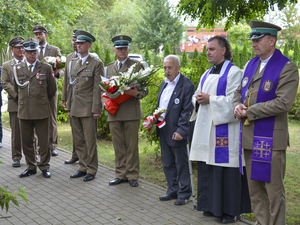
184,60
147,56
204,51
244,56
195,55
158,25
167,50
236,56
238,34
291,23
174,51
296,52
286,49
209,12
107,57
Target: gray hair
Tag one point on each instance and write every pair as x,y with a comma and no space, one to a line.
174,57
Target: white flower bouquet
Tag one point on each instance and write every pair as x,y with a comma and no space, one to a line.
56,62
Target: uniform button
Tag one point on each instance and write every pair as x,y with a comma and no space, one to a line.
252,86
30,79
30,85
29,96
29,90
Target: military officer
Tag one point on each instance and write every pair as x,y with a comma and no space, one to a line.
35,84
41,33
262,102
7,84
84,105
124,124
67,90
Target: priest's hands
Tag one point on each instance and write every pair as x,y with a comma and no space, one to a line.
240,111
202,98
177,137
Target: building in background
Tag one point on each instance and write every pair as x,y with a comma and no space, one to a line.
194,38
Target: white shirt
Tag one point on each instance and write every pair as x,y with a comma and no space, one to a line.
167,93
264,63
19,61
32,68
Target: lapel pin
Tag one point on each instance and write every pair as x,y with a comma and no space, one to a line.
176,101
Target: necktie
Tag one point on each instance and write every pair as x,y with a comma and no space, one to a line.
80,62
41,56
120,66
30,69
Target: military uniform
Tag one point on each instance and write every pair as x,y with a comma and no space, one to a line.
12,108
34,110
53,51
67,90
268,198
124,128
83,102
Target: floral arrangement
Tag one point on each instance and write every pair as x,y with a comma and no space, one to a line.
56,62
151,120
116,86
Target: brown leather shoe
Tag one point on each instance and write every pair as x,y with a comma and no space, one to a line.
71,161
54,152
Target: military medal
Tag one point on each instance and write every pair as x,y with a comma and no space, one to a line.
40,82
37,76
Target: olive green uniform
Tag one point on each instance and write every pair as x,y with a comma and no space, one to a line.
12,108
83,102
124,128
34,110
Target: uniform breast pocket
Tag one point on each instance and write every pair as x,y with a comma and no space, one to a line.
22,79
42,82
86,79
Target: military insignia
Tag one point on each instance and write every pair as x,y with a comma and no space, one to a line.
267,86
40,82
121,37
37,75
245,81
87,62
48,47
18,67
176,101
12,64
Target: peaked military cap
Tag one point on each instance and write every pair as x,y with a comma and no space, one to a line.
74,33
260,29
84,36
39,28
121,41
16,42
31,44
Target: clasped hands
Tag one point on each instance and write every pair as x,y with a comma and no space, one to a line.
202,98
240,111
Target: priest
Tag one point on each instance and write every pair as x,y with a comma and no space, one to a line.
222,190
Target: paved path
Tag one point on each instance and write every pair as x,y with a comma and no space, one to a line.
61,200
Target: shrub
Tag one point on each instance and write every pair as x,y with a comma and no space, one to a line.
295,110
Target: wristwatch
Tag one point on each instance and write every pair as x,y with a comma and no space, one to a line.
138,95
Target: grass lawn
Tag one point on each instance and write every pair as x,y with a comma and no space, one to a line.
152,171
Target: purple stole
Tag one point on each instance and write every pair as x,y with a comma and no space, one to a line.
263,128
221,148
